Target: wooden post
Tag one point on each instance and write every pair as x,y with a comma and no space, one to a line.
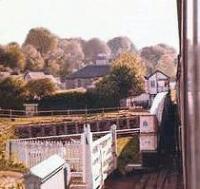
30,132
83,147
43,130
117,122
54,130
87,149
97,125
114,144
26,158
76,127
10,113
128,123
65,129
8,150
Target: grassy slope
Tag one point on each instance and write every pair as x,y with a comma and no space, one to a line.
128,151
7,132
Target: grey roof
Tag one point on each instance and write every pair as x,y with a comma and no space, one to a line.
155,71
40,75
91,71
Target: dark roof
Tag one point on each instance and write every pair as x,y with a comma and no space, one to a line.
91,71
147,77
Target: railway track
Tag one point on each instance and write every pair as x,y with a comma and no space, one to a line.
159,179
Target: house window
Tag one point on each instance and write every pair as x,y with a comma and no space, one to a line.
145,124
32,186
79,83
153,84
166,84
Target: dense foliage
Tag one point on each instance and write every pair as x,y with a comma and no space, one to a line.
77,100
44,51
95,46
119,45
126,78
161,57
42,39
40,88
11,56
12,93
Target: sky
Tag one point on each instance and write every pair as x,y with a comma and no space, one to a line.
145,22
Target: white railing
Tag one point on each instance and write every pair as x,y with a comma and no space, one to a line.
32,152
88,155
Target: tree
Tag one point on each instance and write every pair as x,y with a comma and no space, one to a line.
167,65
153,55
42,39
12,93
95,46
126,78
123,81
34,60
52,67
65,69
137,69
120,44
40,88
73,55
12,56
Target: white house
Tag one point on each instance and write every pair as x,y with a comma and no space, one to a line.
156,82
52,173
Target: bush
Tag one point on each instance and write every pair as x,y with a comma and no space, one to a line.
6,165
77,100
12,93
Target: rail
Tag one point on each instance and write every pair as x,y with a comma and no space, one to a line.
60,137
11,113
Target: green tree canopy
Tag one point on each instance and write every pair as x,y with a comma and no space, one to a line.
42,39
126,78
34,60
12,93
12,56
40,88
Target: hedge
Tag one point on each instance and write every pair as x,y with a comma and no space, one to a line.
77,100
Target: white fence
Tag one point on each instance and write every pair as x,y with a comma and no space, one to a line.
32,152
91,157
